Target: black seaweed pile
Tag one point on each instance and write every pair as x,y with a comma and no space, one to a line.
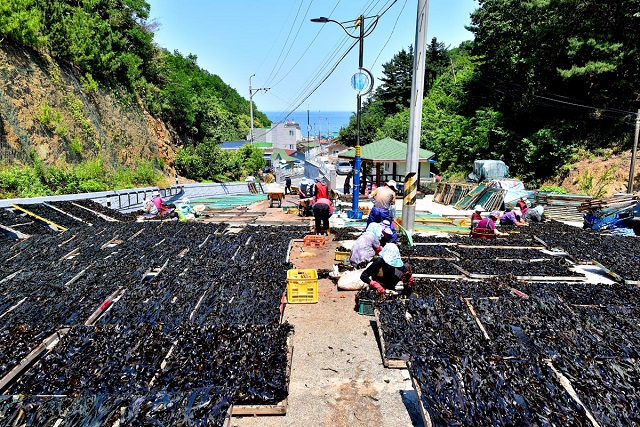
248,360
433,266
430,239
547,327
547,268
24,223
230,289
112,213
430,288
510,240
609,388
79,212
431,251
492,253
476,390
110,360
58,218
345,233
616,294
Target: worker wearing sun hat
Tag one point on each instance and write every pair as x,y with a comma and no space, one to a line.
475,216
490,223
389,233
387,271
366,246
383,198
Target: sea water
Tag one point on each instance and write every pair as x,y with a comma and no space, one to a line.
318,122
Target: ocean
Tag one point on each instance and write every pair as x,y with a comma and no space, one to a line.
319,121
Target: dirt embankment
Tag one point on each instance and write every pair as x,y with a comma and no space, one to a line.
53,109
611,172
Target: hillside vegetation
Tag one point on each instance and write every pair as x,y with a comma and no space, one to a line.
89,102
542,86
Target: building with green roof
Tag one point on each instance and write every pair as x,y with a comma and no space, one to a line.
386,159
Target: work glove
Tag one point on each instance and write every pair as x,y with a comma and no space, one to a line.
378,249
377,286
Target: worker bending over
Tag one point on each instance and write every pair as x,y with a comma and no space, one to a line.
388,272
490,223
534,214
366,246
320,191
522,204
511,217
322,211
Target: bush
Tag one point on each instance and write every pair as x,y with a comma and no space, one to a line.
552,189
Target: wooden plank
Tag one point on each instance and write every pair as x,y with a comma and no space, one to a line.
59,227
426,418
106,218
617,277
46,345
439,276
278,409
18,234
475,316
566,384
106,304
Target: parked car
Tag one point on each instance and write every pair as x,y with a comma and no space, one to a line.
343,167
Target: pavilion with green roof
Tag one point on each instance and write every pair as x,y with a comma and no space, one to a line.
388,157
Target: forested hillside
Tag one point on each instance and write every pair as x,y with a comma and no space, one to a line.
89,102
543,85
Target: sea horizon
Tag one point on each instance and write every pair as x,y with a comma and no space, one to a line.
318,121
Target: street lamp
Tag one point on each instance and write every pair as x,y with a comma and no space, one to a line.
359,81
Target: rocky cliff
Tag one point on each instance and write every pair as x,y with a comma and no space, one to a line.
53,110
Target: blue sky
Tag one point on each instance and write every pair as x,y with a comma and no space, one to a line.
276,41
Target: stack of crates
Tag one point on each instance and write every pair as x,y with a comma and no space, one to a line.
302,286
314,240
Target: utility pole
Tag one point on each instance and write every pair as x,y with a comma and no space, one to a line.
308,134
415,121
633,155
251,92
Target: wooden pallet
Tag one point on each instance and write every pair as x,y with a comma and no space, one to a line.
388,363
426,418
278,409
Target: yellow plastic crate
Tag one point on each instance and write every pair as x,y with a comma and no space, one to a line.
341,256
302,286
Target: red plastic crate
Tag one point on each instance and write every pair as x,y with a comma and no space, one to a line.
314,240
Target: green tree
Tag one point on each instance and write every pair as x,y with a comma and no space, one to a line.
22,21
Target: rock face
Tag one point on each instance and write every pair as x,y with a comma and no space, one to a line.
55,111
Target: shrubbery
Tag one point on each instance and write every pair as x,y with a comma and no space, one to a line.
38,179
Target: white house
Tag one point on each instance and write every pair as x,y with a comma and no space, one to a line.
281,135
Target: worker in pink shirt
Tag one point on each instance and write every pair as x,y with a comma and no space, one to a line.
322,211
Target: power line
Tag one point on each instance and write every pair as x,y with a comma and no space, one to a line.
291,110
292,42
306,50
391,34
286,41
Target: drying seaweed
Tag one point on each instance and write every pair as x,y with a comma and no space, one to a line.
476,390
